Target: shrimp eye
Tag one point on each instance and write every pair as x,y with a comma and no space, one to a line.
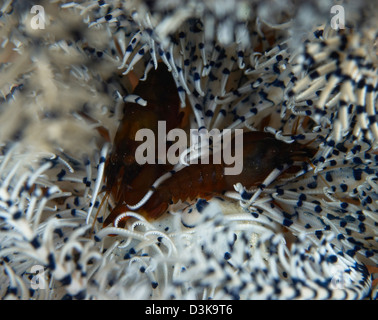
128,159
114,158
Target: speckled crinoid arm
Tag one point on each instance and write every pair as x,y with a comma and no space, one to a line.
309,233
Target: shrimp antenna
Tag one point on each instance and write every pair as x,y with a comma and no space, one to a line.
106,197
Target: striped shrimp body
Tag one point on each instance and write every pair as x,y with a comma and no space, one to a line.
262,153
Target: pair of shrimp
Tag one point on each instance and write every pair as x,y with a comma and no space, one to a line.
128,182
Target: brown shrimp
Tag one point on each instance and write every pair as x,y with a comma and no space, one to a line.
122,172
262,153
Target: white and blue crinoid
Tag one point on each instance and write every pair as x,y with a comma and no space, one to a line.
254,65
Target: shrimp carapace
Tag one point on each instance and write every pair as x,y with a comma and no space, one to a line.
262,153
